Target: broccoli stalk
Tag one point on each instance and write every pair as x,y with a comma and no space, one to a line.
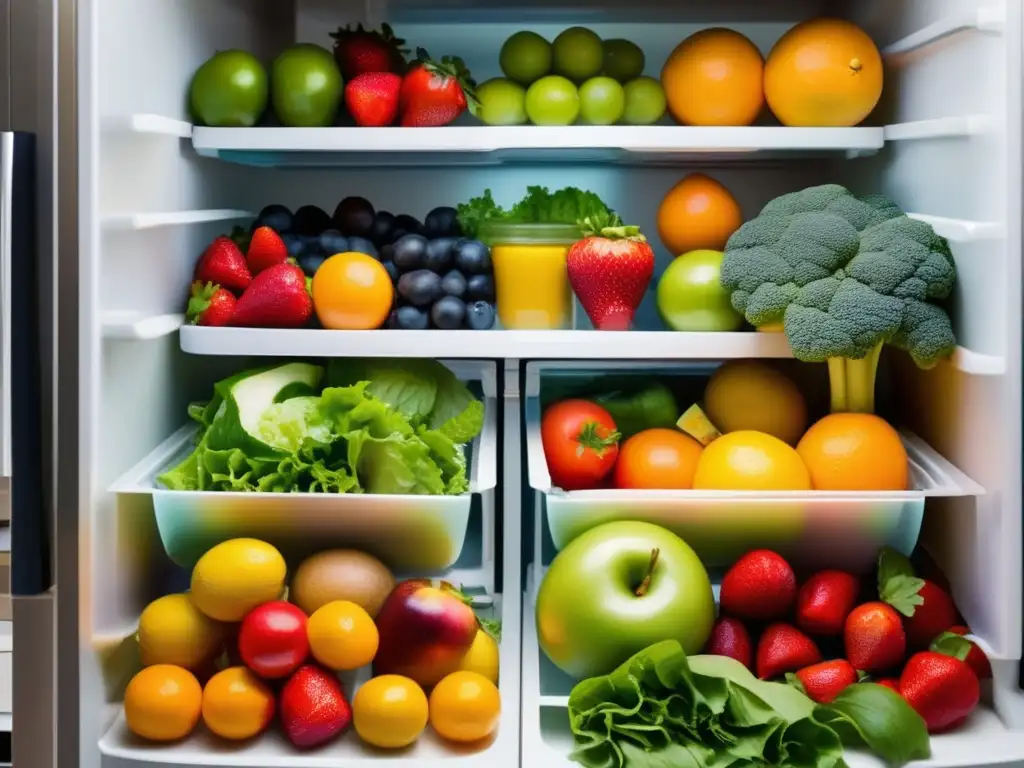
842,276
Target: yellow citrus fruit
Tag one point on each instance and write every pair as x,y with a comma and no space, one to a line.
855,452
389,711
235,576
465,706
173,631
482,656
237,704
342,635
714,77
751,461
352,292
162,703
747,394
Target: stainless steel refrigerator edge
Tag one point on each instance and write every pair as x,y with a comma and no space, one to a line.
28,97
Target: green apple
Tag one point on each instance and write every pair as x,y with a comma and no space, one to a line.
305,86
691,296
617,589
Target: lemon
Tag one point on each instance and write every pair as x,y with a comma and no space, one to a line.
342,636
390,711
748,394
235,576
465,707
173,631
482,656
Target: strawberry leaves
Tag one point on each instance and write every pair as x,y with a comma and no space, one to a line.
451,68
951,644
607,224
897,584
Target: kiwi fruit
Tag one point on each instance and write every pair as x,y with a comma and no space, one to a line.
341,574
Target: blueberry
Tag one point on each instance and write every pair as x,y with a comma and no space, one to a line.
294,243
410,224
420,288
354,216
310,243
481,287
409,252
473,257
392,270
439,254
383,229
442,222
454,284
310,220
391,323
331,241
387,252
480,316
310,263
448,312
362,245
275,216
412,319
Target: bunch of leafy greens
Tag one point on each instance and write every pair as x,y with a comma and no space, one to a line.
662,709
382,426
539,206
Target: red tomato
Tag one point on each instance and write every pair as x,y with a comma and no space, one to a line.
581,443
272,640
658,458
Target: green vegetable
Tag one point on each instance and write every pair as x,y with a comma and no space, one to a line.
540,206
401,431
844,275
651,407
661,709
897,584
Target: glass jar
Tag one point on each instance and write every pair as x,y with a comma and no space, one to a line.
531,283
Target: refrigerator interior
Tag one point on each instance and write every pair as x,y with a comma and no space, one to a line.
148,204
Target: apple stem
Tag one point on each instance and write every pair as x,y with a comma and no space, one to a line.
646,583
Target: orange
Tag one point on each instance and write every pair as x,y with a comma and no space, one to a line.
162,703
237,704
342,636
714,77
697,213
748,394
657,458
389,711
751,461
352,292
823,72
465,707
855,452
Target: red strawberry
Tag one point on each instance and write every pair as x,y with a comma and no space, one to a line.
359,50
976,659
928,609
610,270
435,93
372,98
313,707
824,681
729,637
223,264
890,682
784,648
874,637
277,298
824,602
266,248
210,304
942,689
761,585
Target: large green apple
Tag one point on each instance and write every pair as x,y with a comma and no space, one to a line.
601,601
691,298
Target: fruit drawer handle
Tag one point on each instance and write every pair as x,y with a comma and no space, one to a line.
485,458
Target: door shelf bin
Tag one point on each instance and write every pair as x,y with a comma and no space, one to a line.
813,529
412,534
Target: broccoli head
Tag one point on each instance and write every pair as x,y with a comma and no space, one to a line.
844,275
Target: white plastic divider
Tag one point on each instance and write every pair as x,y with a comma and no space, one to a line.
958,126
983,18
962,230
158,124
138,326
173,218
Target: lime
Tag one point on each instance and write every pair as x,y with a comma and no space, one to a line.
525,57
552,100
602,101
645,101
578,54
502,102
305,86
229,90
623,60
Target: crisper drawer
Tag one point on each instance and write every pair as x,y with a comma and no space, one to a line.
813,529
424,534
